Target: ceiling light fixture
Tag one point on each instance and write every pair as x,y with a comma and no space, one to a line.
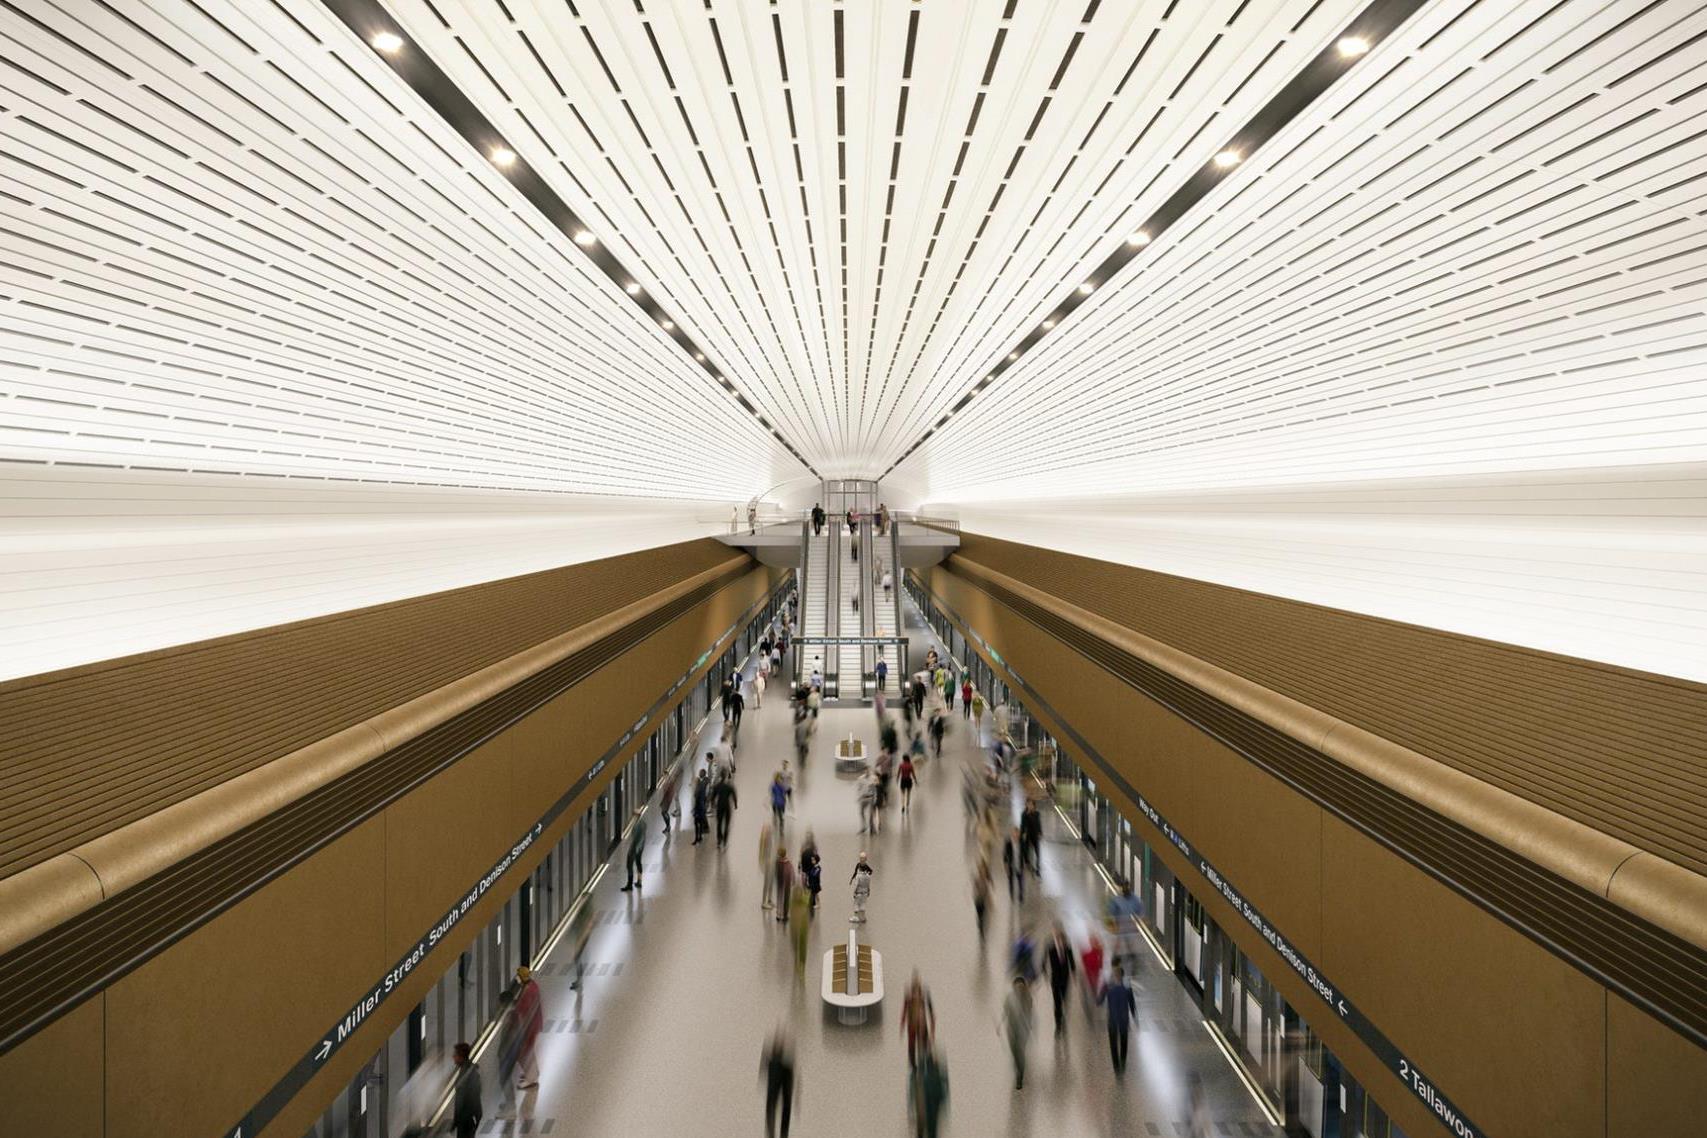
1013,356
1139,238
1086,288
700,356
1227,158
1352,46
632,289
582,237
1047,324
503,156
668,326
388,42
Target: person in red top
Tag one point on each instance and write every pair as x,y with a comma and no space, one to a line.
906,774
529,1020
966,699
1091,961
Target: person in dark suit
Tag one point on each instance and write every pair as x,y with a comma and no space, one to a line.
466,1111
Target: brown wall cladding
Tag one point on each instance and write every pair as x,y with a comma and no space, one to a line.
327,926
1616,749
86,750
1524,1041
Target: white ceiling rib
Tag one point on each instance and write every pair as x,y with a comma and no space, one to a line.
852,231
1480,251
235,243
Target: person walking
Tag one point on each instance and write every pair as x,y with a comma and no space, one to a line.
978,713
777,1066
725,800
1090,962
868,803
861,882
701,804
636,850
811,870
767,867
1016,1025
1031,830
882,674
1011,861
670,802
779,799
800,916
530,1020
981,893
737,704
904,775
759,683
723,694
918,1019
965,697
1058,962
817,519
783,872
466,1111
929,1093
939,727
853,523
1122,1008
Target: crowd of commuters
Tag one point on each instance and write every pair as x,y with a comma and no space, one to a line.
790,887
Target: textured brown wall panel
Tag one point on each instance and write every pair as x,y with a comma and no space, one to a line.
85,750
1656,1080
1619,750
440,838
51,1083
196,1035
1511,1032
1466,995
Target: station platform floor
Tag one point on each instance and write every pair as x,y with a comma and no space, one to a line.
686,979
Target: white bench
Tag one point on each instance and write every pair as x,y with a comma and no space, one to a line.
853,978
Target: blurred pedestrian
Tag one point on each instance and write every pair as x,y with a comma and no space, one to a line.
783,871
811,870
918,1019
1058,962
1031,830
1012,862
530,1020
965,696
767,867
981,893
978,713
1090,963
701,806
904,775
759,683
636,850
779,798
800,914
737,704
1016,1024
1122,1009
466,1111
777,1066
928,1091
725,800
723,695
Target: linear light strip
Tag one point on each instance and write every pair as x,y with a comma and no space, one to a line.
1371,27
369,21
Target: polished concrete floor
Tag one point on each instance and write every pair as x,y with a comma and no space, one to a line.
686,980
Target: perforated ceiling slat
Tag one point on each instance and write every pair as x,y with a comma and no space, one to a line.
252,259
1461,258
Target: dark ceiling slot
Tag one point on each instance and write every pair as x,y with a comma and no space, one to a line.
66,40
781,52
539,60
995,53
48,83
723,59
68,140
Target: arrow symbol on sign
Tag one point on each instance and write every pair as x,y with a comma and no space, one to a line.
1342,1009
325,1050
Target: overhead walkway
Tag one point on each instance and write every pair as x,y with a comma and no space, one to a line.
685,979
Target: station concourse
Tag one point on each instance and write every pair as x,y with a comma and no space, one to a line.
1264,442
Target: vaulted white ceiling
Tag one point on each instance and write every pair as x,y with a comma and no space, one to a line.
849,238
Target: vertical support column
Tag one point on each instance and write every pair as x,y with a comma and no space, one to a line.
903,667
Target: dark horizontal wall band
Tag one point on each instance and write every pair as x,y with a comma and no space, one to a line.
1652,968
46,977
